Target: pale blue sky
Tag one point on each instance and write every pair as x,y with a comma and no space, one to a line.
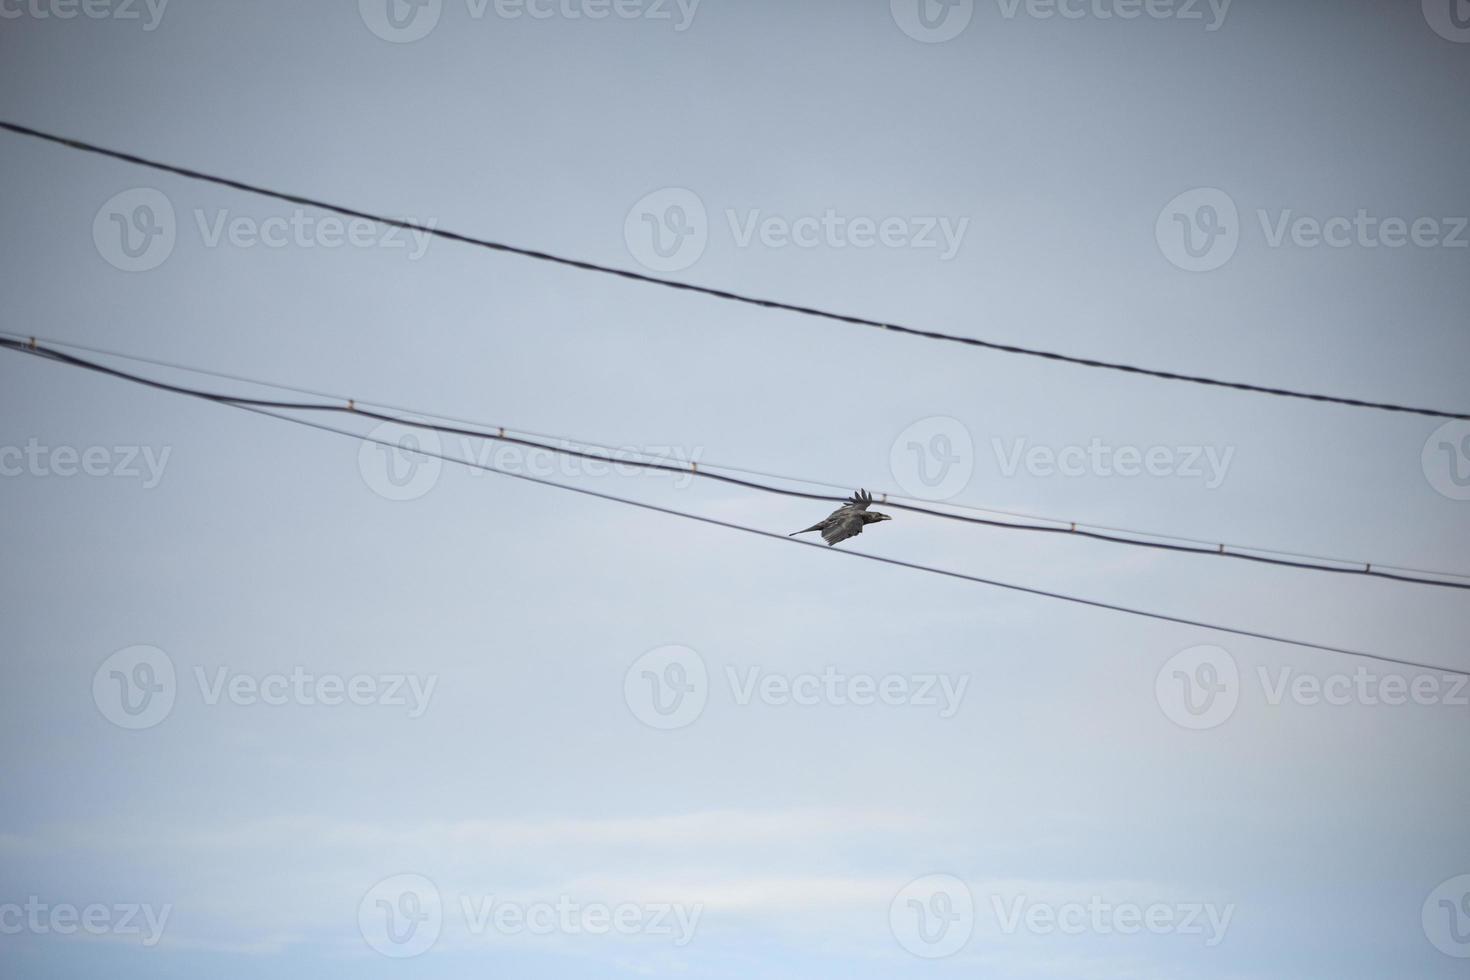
263,548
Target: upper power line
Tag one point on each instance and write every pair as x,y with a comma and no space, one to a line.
707,470
723,294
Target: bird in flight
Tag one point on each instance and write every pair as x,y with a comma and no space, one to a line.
846,521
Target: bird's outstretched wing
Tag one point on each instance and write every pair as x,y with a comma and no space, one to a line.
858,501
842,525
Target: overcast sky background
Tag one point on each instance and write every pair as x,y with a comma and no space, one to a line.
264,546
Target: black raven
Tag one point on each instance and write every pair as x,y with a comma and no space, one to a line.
847,520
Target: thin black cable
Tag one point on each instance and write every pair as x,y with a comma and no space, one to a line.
708,290
1095,603
1248,552
262,407
501,436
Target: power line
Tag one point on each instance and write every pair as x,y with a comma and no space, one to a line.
1059,526
948,573
1081,528
501,434
263,407
723,294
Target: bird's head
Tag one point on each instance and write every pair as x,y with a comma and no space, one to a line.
875,516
